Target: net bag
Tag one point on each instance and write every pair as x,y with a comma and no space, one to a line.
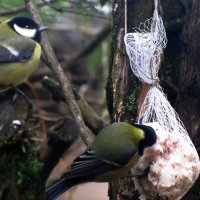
173,160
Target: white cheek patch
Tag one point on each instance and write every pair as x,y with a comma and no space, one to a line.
25,31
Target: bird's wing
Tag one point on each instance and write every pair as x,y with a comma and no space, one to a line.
89,165
16,49
84,169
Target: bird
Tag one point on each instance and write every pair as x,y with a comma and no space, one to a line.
114,152
20,50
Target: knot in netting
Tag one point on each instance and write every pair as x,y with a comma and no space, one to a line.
145,51
173,159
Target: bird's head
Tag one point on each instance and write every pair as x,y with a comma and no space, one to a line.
25,26
149,137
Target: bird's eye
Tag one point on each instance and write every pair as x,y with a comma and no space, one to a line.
26,26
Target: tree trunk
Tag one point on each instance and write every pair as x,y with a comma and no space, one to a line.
179,74
188,99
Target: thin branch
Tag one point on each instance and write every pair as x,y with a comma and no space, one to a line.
12,11
99,37
16,10
93,121
81,13
57,143
54,65
69,10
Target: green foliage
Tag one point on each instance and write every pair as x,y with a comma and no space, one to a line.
28,169
21,167
94,60
130,103
82,10
10,5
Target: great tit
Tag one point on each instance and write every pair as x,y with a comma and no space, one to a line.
20,50
114,152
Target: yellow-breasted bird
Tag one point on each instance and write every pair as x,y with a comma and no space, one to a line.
114,152
20,50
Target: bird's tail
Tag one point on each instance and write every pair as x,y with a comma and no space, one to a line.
59,188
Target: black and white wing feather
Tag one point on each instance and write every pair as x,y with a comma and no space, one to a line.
84,169
88,165
16,49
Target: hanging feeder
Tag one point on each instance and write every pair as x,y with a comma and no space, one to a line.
173,160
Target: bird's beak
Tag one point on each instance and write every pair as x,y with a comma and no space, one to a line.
42,28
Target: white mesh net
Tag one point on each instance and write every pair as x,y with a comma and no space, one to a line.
156,108
145,48
173,160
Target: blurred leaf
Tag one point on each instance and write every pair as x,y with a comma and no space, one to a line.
103,2
94,60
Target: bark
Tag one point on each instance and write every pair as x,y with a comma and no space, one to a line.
189,79
188,99
122,105
123,88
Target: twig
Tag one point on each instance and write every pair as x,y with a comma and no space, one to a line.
54,65
99,37
16,10
93,121
57,143
69,10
